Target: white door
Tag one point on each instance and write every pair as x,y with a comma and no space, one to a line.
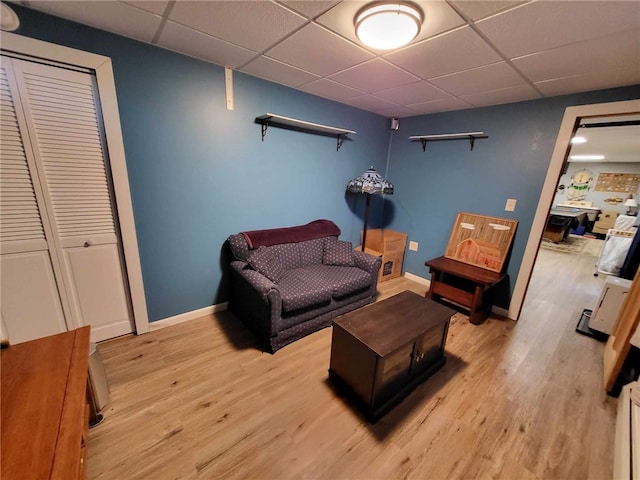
62,121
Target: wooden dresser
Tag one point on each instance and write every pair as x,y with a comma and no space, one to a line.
45,409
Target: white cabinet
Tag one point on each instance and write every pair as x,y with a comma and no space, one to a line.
608,307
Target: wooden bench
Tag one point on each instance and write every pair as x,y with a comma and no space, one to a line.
463,284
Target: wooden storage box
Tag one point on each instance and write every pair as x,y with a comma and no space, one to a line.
389,245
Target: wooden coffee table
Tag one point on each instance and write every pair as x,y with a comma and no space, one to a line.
381,352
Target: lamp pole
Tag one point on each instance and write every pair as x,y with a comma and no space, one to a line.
366,219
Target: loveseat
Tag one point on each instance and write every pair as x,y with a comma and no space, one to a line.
286,283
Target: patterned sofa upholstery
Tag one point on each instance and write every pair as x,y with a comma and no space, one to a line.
287,283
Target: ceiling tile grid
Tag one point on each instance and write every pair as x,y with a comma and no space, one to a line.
468,53
200,45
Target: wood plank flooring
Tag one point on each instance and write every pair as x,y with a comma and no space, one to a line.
515,400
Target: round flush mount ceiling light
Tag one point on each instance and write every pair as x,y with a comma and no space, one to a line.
389,25
8,19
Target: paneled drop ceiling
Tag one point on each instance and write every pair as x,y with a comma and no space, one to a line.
468,53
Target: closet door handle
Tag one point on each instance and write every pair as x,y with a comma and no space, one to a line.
88,243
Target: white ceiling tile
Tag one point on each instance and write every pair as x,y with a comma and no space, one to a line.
374,76
412,93
152,6
451,52
477,9
278,72
581,83
439,17
442,105
190,42
330,89
308,8
542,25
317,50
369,102
255,25
503,95
114,17
489,77
583,57
396,112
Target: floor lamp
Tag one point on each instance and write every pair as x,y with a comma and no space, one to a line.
369,183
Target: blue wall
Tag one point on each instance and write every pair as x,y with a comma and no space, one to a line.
199,172
432,187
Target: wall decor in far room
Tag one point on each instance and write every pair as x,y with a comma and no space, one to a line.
580,184
480,240
618,182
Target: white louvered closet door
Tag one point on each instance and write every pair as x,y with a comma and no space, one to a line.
31,306
63,122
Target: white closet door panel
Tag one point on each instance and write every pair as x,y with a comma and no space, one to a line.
30,305
19,212
71,155
22,246
99,289
89,240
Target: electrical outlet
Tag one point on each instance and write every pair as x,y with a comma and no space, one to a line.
511,205
413,246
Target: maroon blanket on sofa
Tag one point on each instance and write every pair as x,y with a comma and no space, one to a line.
274,236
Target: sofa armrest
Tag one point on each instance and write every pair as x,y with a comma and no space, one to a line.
367,262
257,280
257,297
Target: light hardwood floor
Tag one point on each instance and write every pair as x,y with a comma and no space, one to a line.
515,400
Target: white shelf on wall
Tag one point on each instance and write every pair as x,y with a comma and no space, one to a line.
471,136
280,121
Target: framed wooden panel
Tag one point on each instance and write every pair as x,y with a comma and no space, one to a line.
481,240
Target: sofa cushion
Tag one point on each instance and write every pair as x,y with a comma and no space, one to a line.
313,285
311,252
267,263
302,288
344,280
288,253
338,253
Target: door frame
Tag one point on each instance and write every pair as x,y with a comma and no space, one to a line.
570,121
113,137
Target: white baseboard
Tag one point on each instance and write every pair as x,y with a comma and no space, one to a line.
185,317
417,279
501,311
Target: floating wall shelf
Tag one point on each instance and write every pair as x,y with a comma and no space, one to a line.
280,121
471,136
